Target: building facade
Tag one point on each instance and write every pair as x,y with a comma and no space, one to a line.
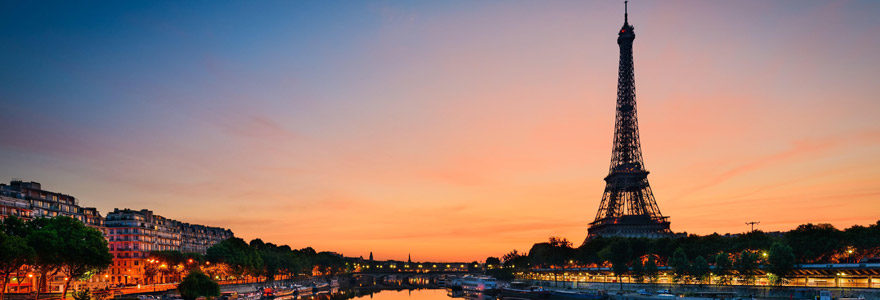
42,203
11,204
133,234
28,200
198,238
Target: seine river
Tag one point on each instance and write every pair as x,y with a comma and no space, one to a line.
422,294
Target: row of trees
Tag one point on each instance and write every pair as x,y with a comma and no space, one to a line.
51,246
236,259
691,258
628,257
267,260
63,246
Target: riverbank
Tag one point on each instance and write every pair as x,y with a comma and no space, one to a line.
761,292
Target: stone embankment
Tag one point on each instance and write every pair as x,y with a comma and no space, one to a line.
747,292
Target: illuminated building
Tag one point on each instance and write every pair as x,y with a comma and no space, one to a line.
41,203
133,234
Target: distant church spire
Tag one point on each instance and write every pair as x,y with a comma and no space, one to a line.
371,255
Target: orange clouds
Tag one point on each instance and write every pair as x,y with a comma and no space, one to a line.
465,131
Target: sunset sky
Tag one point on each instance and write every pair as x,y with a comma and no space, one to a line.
452,130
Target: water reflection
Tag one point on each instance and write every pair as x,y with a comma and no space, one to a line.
470,295
409,294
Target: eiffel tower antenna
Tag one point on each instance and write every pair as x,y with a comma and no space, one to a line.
628,208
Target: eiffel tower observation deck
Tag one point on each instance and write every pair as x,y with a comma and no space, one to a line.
628,208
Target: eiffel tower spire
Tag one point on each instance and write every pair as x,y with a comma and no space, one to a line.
628,207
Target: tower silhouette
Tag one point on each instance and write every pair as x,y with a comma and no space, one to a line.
628,208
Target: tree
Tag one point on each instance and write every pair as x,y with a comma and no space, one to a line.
723,266
864,241
493,261
271,256
241,258
588,253
618,254
150,271
780,261
553,253
197,284
700,269
746,264
638,270
514,259
814,243
14,253
14,250
48,250
556,241
679,263
82,249
651,269
497,270
329,263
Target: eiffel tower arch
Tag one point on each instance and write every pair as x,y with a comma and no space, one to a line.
628,208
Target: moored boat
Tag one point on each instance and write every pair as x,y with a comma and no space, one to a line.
524,291
271,293
478,283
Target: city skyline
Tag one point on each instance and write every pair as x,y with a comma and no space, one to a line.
452,131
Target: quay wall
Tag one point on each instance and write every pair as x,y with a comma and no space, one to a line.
785,292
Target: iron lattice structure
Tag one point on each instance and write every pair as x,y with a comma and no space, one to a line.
628,207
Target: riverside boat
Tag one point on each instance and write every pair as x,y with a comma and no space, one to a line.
524,291
271,293
478,283
453,282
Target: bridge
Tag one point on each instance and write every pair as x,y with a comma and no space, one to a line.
395,267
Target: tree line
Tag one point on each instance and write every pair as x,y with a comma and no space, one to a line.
63,246
235,259
267,260
51,246
692,258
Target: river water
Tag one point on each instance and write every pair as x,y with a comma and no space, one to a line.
422,294
414,294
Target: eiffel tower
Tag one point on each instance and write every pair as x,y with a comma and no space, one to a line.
628,208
